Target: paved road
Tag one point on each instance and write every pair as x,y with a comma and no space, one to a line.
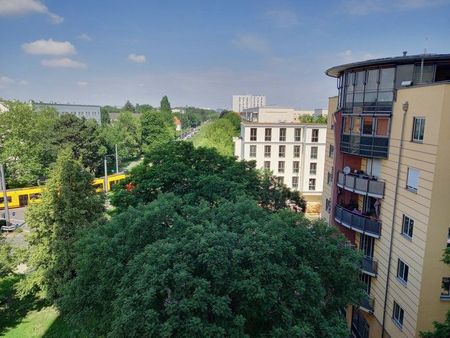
17,237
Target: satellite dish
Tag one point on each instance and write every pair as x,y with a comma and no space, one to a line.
346,170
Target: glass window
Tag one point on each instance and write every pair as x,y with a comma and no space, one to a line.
356,128
402,271
253,134
280,180
267,151
296,151
372,80
296,167
360,79
281,166
423,77
312,184
418,129
294,182
329,178
315,135
314,153
412,182
268,134
382,127
445,287
252,150
282,151
282,134
313,168
267,165
387,76
331,151
298,134
328,205
398,314
347,120
367,126
407,226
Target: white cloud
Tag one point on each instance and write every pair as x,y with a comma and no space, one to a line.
283,18
137,58
365,7
23,7
23,82
49,47
62,63
350,56
82,83
84,37
5,81
251,42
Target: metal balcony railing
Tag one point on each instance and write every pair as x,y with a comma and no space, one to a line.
357,222
367,303
361,184
369,266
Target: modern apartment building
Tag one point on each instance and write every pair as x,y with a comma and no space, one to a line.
242,102
387,170
79,110
293,151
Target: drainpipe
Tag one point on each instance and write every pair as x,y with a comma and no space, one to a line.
405,107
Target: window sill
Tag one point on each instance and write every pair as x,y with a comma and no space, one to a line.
405,284
417,141
406,237
445,298
410,189
400,326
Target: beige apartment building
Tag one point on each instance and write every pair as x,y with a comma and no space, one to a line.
388,190
276,140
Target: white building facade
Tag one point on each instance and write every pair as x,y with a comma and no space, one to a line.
79,110
293,151
242,102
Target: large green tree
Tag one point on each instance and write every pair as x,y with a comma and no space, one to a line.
6,257
218,135
69,205
156,129
165,105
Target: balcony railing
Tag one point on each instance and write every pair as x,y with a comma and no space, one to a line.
361,184
369,266
360,223
367,146
367,303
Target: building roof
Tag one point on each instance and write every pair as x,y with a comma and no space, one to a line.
397,60
64,104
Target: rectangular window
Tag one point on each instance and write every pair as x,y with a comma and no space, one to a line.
327,205
315,135
445,288
280,180
297,134
407,226
329,178
294,182
282,134
296,151
296,167
268,134
2,199
412,182
252,150
418,129
313,168
356,127
266,151
312,184
382,128
281,166
367,126
398,314
314,153
282,151
267,165
402,271
331,151
347,120
253,134
448,238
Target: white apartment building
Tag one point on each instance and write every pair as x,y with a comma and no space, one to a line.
242,102
79,110
293,151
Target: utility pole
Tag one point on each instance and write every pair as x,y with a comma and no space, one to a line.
5,197
117,160
105,180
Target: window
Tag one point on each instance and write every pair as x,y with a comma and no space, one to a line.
282,151
268,134
296,151
282,134
266,151
281,166
296,167
448,238
382,128
328,205
407,226
252,150
329,178
267,165
315,135
297,134
347,120
418,129
312,184
280,180
412,182
331,151
294,182
398,314
252,134
2,199
445,288
402,271
356,127
314,153
367,126
313,168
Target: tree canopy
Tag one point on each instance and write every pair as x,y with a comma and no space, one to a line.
165,105
157,128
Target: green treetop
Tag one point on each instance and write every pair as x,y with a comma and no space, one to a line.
165,105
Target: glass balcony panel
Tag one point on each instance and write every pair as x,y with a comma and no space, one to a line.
361,184
369,266
357,222
367,303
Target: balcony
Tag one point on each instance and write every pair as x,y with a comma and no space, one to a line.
369,266
367,303
357,222
366,146
361,184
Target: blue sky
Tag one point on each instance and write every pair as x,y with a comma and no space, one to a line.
201,52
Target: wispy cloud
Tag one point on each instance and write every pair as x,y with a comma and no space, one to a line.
137,58
282,18
84,37
251,42
62,63
5,81
49,47
365,7
24,7
351,56
82,83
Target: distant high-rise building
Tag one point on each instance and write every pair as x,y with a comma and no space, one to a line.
241,102
79,110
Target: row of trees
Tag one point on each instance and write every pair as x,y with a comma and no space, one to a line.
199,245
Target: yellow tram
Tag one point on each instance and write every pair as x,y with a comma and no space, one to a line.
21,197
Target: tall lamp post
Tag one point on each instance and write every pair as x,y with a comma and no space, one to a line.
5,197
105,162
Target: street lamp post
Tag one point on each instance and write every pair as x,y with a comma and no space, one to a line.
105,163
5,197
